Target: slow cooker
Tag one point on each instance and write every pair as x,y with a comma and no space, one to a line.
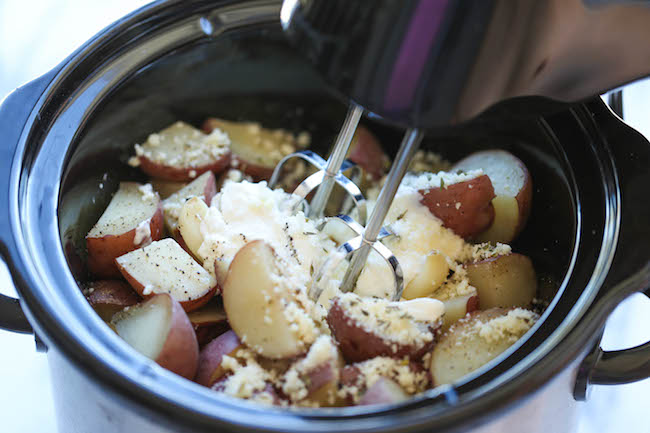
71,130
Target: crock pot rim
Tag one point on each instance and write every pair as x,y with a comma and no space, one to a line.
19,162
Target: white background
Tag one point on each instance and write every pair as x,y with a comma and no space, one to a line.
35,35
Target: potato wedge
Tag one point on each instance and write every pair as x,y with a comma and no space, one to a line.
458,307
430,277
384,391
181,152
160,330
132,219
108,297
261,306
210,370
513,188
314,379
369,327
165,188
209,322
189,225
164,267
463,207
503,281
203,187
474,341
256,150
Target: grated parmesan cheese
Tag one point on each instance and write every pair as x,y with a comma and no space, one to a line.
509,327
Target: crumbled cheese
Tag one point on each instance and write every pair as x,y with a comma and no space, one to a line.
181,145
410,379
134,161
148,290
147,192
428,161
143,233
247,379
509,327
390,320
478,252
441,179
295,382
304,139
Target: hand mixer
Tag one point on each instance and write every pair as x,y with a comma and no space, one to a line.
424,64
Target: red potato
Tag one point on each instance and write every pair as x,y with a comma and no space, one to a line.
108,297
160,330
189,226
369,327
164,267
203,187
474,341
367,153
209,322
132,219
429,278
256,150
261,306
384,391
463,207
210,370
513,188
181,152
503,281
458,307
317,375
165,188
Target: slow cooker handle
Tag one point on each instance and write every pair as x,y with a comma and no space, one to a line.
630,270
14,111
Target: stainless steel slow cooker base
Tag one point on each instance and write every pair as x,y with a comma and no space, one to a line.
192,59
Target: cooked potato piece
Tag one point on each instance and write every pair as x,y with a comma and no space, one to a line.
165,188
458,307
503,281
108,297
367,153
357,379
204,187
164,267
181,152
189,225
262,307
132,219
210,369
384,391
463,207
314,379
474,341
513,188
368,327
256,150
430,277
209,322
160,330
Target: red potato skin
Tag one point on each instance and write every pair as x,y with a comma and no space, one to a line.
357,344
103,251
188,306
367,153
180,340
209,371
476,212
110,296
472,304
181,174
